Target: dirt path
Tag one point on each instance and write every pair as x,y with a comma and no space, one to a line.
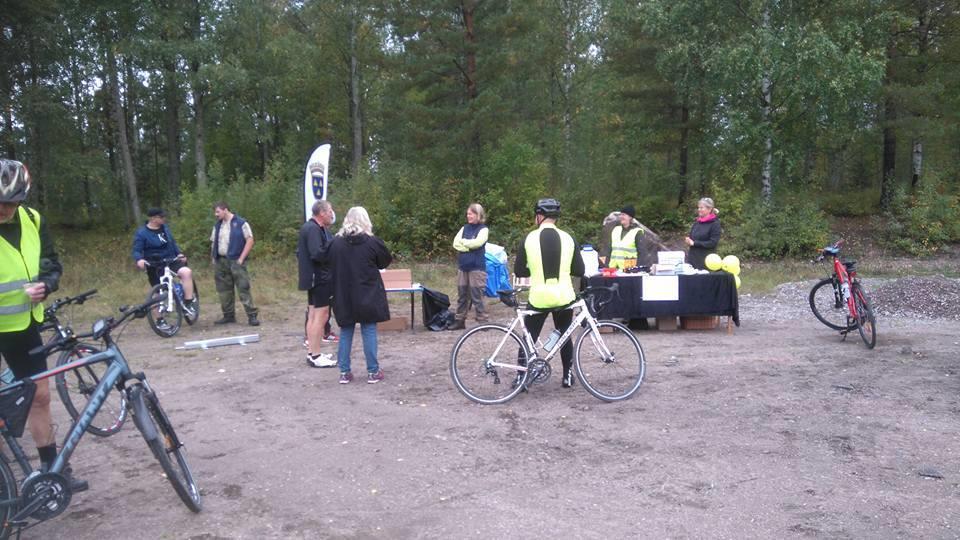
780,430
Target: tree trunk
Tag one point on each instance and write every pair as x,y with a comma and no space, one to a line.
684,152
889,170
171,98
356,117
468,7
133,201
567,70
766,97
197,89
199,137
916,163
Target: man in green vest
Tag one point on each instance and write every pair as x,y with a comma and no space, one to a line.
29,271
549,257
624,247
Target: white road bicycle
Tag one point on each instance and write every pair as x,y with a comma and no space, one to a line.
168,315
492,363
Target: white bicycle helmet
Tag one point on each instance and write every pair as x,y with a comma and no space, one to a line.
14,181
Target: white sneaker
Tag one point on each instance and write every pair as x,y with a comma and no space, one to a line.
323,360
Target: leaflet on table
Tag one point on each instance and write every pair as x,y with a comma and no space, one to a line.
661,288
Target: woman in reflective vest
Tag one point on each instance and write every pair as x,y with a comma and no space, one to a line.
623,241
549,257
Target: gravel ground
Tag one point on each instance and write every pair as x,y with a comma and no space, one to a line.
925,298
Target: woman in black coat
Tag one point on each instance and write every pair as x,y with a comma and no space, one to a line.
356,258
704,234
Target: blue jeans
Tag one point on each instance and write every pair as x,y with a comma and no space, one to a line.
368,333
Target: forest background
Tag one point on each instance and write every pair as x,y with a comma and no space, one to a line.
785,112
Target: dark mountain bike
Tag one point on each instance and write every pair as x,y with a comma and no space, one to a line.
46,494
840,302
76,386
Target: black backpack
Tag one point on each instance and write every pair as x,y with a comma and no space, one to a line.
436,312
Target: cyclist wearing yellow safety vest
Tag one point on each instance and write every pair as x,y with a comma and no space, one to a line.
624,247
549,257
29,271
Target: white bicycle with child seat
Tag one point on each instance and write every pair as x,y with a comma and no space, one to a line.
167,316
492,363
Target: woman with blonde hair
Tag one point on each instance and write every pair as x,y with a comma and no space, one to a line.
359,297
704,234
470,242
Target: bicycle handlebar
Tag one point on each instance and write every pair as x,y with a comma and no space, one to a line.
164,261
832,250
101,328
78,299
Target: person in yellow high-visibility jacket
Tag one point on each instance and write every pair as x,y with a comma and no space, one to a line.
549,257
624,247
29,271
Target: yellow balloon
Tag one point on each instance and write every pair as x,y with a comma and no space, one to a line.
731,264
736,280
713,262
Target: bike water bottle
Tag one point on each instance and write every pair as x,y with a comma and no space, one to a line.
178,290
552,340
845,289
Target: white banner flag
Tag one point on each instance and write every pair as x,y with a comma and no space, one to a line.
315,179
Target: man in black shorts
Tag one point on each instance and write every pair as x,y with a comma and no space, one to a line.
154,241
29,271
314,269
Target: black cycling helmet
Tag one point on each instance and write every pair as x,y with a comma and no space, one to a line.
547,208
14,181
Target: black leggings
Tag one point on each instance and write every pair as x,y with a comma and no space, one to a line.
561,321
15,349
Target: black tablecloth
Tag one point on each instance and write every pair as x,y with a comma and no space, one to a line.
699,294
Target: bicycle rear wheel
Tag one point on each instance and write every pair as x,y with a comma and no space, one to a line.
163,442
77,385
828,305
866,321
165,322
610,364
9,502
484,364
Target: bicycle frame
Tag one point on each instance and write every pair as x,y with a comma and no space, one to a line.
532,347
843,277
167,280
118,373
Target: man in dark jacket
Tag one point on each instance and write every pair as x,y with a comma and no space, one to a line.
154,241
29,271
232,240
313,261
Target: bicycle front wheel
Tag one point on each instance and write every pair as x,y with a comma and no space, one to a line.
9,502
828,305
163,442
866,321
76,386
609,364
164,321
484,364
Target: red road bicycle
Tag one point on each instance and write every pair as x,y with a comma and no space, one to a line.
840,302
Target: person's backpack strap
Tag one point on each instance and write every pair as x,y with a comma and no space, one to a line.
34,216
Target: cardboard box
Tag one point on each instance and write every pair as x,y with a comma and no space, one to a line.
397,279
699,323
666,323
394,324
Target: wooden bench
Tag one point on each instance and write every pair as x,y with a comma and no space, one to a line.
400,281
